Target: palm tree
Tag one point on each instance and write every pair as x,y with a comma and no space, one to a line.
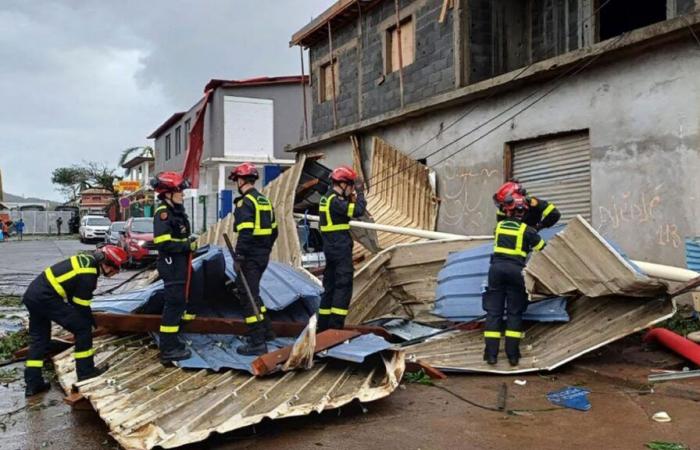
126,155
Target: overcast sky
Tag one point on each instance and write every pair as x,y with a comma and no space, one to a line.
85,79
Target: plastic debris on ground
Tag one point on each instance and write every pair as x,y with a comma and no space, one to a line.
662,417
571,397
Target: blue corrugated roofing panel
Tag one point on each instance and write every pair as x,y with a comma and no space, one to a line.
692,253
465,276
358,349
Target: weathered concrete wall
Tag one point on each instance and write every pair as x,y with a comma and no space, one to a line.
361,64
643,117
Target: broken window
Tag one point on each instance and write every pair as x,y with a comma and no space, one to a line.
407,31
619,16
328,79
168,154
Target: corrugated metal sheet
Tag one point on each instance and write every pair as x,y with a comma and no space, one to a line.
281,192
580,261
594,323
559,169
400,282
400,194
692,253
146,404
464,277
356,350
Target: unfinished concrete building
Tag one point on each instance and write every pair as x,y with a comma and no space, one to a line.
592,104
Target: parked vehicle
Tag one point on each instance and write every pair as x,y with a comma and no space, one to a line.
93,228
114,234
137,240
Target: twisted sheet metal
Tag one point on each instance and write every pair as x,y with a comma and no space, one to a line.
146,404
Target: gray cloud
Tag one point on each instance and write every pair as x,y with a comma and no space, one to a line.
82,80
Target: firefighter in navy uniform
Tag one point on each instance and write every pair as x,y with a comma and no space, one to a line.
541,213
254,221
62,294
513,241
343,202
171,235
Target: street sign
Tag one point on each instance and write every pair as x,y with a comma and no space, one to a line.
128,185
124,202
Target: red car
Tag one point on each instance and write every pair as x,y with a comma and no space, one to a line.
137,240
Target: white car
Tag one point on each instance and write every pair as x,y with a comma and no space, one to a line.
93,228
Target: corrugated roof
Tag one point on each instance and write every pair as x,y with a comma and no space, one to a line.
165,125
692,253
465,276
341,12
146,404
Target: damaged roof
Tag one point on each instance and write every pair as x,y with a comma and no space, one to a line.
146,404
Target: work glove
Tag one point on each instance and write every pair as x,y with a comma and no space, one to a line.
359,185
193,242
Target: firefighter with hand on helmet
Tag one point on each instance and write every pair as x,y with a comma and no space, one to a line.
540,214
513,241
171,235
62,294
343,202
254,221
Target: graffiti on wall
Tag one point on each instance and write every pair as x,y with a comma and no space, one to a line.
466,195
640,212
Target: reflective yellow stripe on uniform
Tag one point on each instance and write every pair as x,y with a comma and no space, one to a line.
252,319
169,328
168,237
324,311
263,309
34,363
84,354
161,208
539,245
519,233
77,269
492,334
548,210
351,209
515,334
81,302
325,208
339,311
261,204
187,316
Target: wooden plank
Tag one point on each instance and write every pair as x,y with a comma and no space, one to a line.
269,362
144,323
76,401
443,11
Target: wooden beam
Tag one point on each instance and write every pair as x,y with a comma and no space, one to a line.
399,45
269,362
144,323
333,86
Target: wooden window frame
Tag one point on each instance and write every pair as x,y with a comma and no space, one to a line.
178,140
168,148
388,41
322,80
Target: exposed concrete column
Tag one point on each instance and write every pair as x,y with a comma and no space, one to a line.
222,178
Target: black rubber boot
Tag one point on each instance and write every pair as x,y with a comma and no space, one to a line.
491,360
513,350
322,324
255,344
491,350
34,382
269,332
513,361
95,372
175,354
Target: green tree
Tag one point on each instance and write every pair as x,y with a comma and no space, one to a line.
127,155
70,181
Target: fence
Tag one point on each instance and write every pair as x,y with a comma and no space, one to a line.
39,222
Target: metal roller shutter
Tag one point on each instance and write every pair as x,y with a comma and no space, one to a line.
558,169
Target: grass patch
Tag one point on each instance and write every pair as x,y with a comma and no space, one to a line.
660,445
9,375
419,377
10,300
682,322
13,342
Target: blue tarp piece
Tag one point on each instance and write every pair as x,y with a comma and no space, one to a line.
289,296
358,349
405,329
692,253
571,397
465,276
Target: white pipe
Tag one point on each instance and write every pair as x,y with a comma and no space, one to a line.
661,271
669,273
417,232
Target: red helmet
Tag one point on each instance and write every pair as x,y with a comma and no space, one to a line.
114,256
244,170
515,204
169,182
506,189
343,173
